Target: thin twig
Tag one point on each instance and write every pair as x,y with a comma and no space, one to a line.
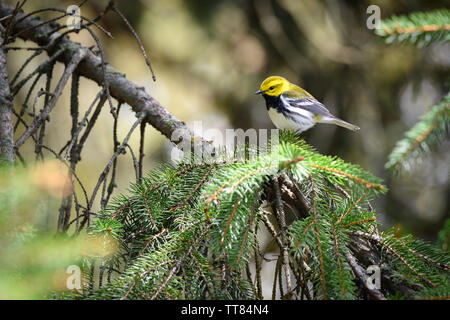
282,221
383,243
147,61
55,19
319,245
359,272
5,36
58,90
24,65
108,166
76,129
40,69
141,152
119,87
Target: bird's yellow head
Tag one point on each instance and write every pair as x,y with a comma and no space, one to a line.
274,86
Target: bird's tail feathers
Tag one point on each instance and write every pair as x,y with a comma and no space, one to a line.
339,122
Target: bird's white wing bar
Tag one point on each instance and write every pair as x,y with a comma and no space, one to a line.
306,103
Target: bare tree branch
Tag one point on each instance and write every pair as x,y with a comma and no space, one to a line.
7,153
120,88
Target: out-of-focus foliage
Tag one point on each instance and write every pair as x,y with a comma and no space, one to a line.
444,237
432,129
35,262
421,28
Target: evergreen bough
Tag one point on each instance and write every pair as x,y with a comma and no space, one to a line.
192,231
432,129
419,28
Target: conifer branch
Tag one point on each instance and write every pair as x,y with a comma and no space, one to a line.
375,293
367,184
392,250
197,187
241,249
299,241
420,28
229,220
319,247
172,272
371,219
337,252
425,28
314,248
350,208
432,128
282,223
148,210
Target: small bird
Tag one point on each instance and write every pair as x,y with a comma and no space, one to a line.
291,107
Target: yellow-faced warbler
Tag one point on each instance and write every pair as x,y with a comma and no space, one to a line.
291,107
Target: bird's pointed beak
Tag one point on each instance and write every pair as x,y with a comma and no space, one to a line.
259,92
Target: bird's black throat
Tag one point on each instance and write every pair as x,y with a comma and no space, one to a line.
273,102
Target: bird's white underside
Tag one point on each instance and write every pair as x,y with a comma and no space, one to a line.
281,122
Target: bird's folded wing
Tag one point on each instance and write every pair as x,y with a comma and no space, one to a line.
300,100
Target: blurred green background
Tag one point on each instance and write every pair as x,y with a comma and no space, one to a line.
209,56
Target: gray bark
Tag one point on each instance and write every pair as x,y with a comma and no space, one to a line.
7,153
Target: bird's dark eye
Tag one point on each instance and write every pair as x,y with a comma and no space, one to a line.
272,87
